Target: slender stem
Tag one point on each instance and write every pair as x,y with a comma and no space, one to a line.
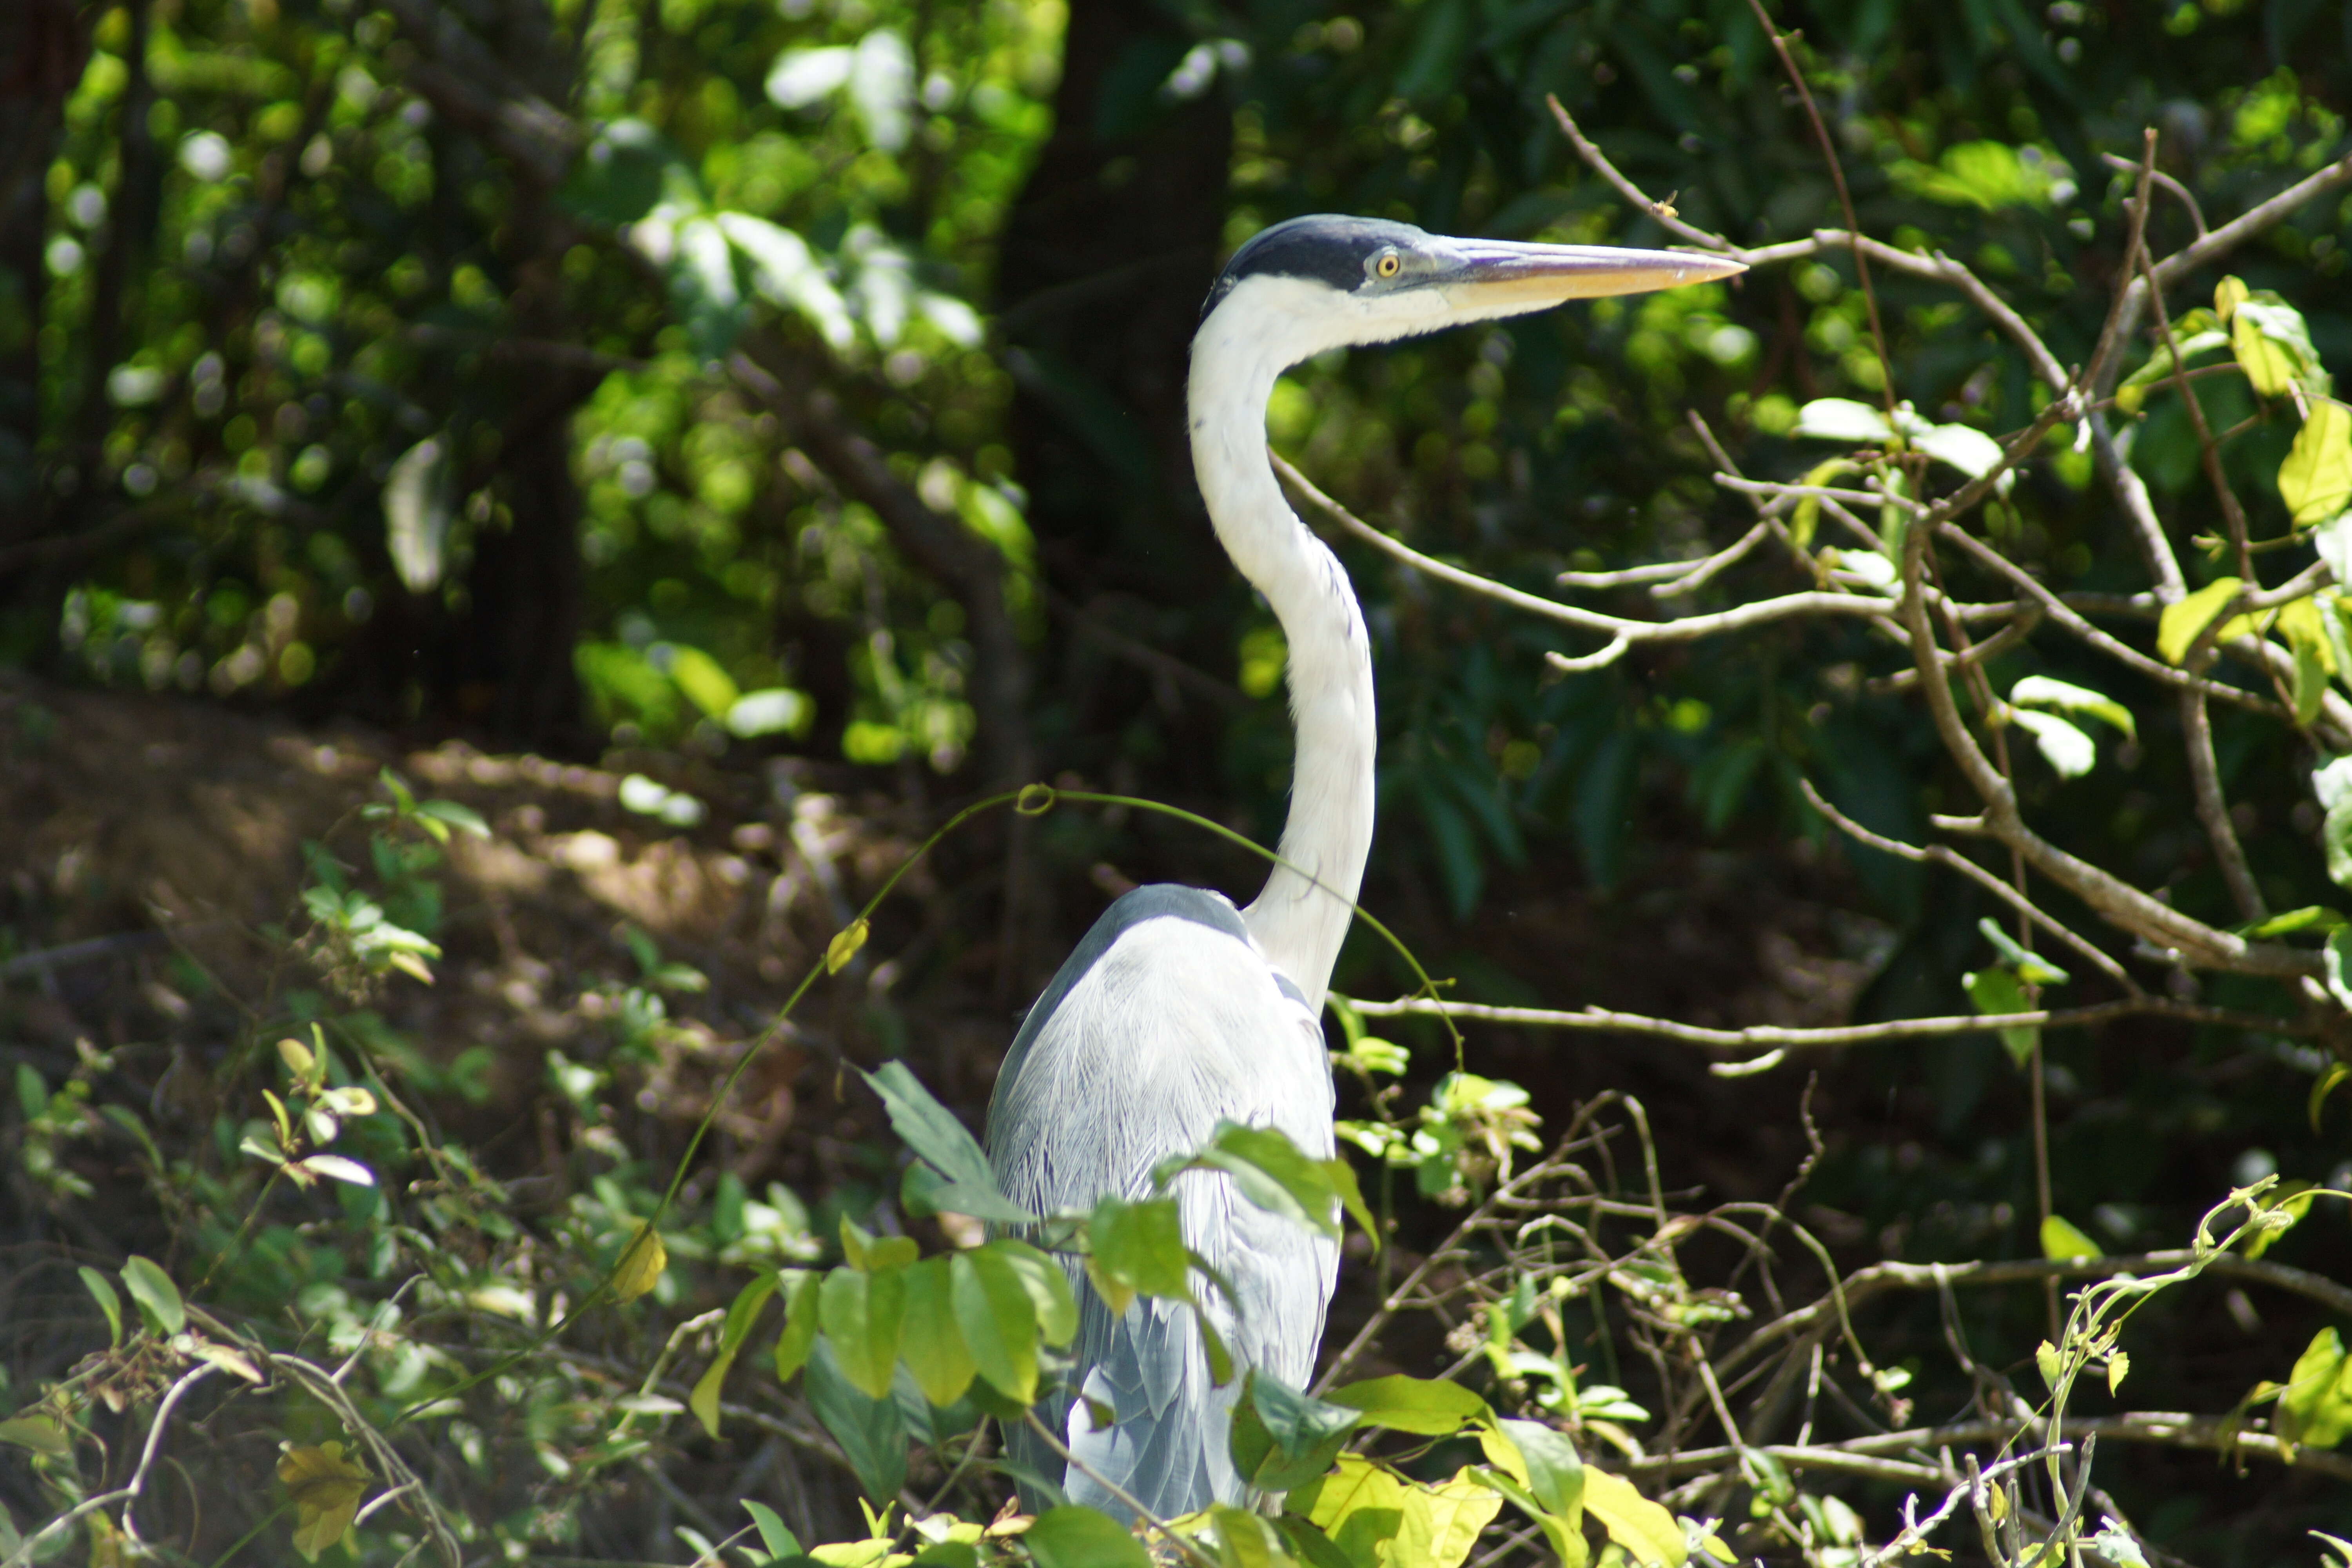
1157,1524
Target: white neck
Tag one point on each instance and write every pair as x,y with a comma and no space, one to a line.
1299,919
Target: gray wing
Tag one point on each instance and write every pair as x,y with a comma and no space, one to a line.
1165,1021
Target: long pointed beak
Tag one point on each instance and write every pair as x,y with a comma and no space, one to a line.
1530,277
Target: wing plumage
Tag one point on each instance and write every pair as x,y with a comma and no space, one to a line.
1164,1021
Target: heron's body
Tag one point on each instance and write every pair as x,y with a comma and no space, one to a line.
1178,1011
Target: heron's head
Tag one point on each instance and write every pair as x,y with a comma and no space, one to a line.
1323,282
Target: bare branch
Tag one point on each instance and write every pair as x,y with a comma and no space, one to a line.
1943,855
1689,628
1601,1021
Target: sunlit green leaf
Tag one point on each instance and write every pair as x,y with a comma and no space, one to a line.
1281,1438
1074,1537
2316,479
1431,1408
2042,691
930,1341
862,1314
2062,1240
742,1314
157,1298
2184,621
1000,1324
1997,992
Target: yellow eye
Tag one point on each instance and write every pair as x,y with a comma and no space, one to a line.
1387,264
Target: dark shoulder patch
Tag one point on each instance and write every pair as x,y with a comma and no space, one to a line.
1325,246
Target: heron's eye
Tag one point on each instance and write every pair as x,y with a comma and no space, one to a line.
1387,264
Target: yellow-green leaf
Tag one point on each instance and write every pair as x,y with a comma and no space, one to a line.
2064,1241
641,1266
844,945
2181,622
1049,1290
1448,1519
157,1298
2050,1364
2042,691
707,685
2316,1407
929,1341
999,1323
1647,1532
862,1315
1806,520
2316,479
2228,295
325,1489
741,1313
2269,365
39,1433
2118,1368
799,1337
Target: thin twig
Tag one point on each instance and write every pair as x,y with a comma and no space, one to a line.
128,1495
1601,1021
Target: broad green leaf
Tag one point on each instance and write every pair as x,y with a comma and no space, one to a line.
1361,1506
2183,622
1310,1545
157,1298
1074,1537
1555,1471
336,1168
2062,1241
325,1489
1841,419
2228,295
1000,1324
1138,1248
1647,1532
2282,1207
1963,446
1050,1296
1995,992
1246,1540
2273,345
108,1301
929,1340
871,1432
862,1314
800,1323
2042,691
1426,1407
2316,479
1567,1544
2333,540
2029,967
641,1265
39,1433
2309,690
2316,918
778,1540
741,1313
1447,1520
932,1131
1282,1438
788,273
2067,749
1272,1172
2316,1406
2336,965
867,1252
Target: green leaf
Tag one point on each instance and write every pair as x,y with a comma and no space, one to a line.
157,1298
2316,1406
2274,346
1995,992
2331,782
1282,1438
742,1314
867,1252
871,1432
1554,1470
2067,749
1647,1532
2029,967
622,174
108,1301
778,1540
2063,1241
464,819
862,1314
2316,479
929,1340
1074,1537
1000,1324
1138,1248
1271,1173
1421,1406
2336,965
38,1433
2042,691
2133,390
1842,419
1049,1288
1246,1540
801,1315
1806,519
940,1140
1309,1544
2310,918
2184,621
1361,1507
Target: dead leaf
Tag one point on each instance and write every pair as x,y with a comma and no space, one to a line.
325,1489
